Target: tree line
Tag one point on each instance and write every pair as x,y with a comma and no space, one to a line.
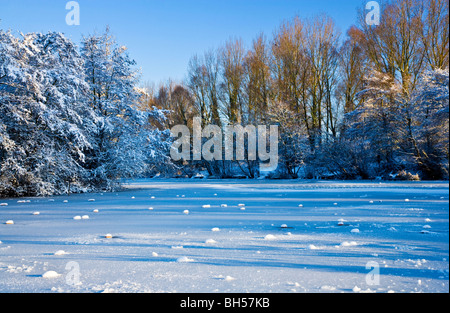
369,103
372,102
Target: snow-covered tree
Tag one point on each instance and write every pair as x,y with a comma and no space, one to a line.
431,124
293,146
123,146
68,120
42,113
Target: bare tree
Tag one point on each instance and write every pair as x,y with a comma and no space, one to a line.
435,34
352,69
232,62
258,81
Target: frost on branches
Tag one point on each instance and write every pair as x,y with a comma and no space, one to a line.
391,132
431,109
68,121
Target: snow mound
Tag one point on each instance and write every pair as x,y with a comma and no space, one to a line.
91,200
284,226
3,204
215,229
357,289
270,237
154,254
60,252
206,206
327,288
184,259
348,244
226,278
85,217
210,242
355,231
50,275
77,217
314,247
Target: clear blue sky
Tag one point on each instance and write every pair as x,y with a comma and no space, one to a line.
162,35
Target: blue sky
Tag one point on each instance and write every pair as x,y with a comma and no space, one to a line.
162,35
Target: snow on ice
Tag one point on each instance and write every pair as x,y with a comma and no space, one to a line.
218,245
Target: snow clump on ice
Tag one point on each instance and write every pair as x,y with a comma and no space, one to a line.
184,259
50,275
349,244
229,278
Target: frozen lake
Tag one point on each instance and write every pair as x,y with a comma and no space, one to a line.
230,236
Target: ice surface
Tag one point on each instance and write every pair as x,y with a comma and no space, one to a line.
162,250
